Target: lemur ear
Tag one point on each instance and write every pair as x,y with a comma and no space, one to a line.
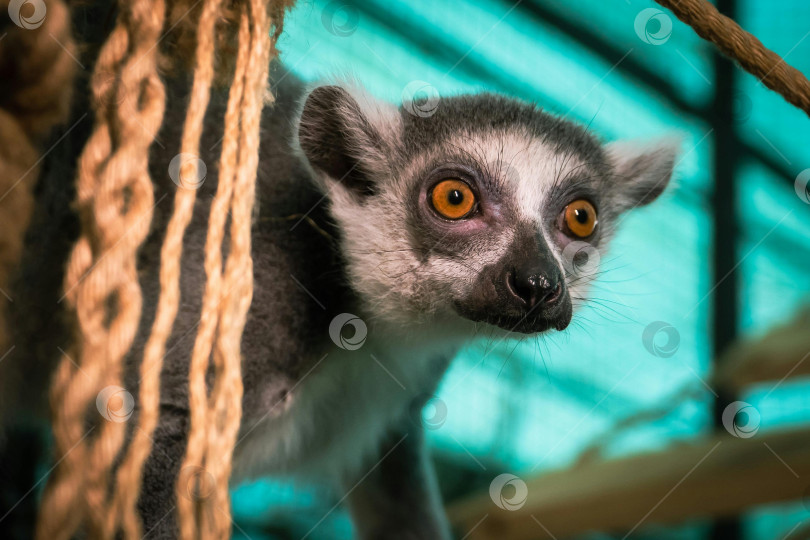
643,170
347,137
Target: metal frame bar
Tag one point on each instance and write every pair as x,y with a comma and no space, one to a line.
725,236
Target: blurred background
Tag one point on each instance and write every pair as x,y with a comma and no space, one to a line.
725,253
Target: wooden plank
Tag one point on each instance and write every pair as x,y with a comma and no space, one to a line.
720,476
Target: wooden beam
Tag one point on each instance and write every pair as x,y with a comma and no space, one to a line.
782,353
720,476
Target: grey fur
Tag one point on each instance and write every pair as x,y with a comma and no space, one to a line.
368,245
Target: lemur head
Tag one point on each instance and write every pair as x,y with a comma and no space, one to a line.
484,209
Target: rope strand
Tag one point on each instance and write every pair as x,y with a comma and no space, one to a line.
227,296
129,474
200,429
238,281
746,49
115,208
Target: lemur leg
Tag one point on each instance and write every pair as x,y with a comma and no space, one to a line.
399,499
157,503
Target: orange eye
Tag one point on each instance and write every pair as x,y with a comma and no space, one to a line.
452,199
580,218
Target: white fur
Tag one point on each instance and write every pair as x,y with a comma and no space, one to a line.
648,162
340,411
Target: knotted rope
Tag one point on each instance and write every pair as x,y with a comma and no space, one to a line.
129,475
747,50
215,418
115,199
115,204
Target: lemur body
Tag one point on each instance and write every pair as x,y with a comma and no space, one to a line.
346,222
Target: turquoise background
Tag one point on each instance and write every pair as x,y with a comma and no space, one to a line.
535,405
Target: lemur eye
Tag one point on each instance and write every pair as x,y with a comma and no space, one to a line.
580,218
452,199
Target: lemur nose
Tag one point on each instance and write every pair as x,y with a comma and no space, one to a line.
533,288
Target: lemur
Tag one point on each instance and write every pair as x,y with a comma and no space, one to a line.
411,230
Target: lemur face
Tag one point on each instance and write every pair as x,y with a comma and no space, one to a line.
488,209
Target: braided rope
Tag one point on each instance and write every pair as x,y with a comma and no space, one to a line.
238,281
215,418
129,475
227,368
115,198
115,207
198,399
743,47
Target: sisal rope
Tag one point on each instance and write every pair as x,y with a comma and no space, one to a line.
238,282
115,198
746,49
195,513
215,418
128,479
115,206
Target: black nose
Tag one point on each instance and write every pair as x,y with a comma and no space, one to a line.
533,287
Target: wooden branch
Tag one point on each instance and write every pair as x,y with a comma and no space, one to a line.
719,476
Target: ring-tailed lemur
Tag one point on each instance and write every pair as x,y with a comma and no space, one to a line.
412,229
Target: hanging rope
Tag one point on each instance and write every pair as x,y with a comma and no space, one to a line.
743,47
196,523
129,475
115,206
237,290
215,418
114,193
